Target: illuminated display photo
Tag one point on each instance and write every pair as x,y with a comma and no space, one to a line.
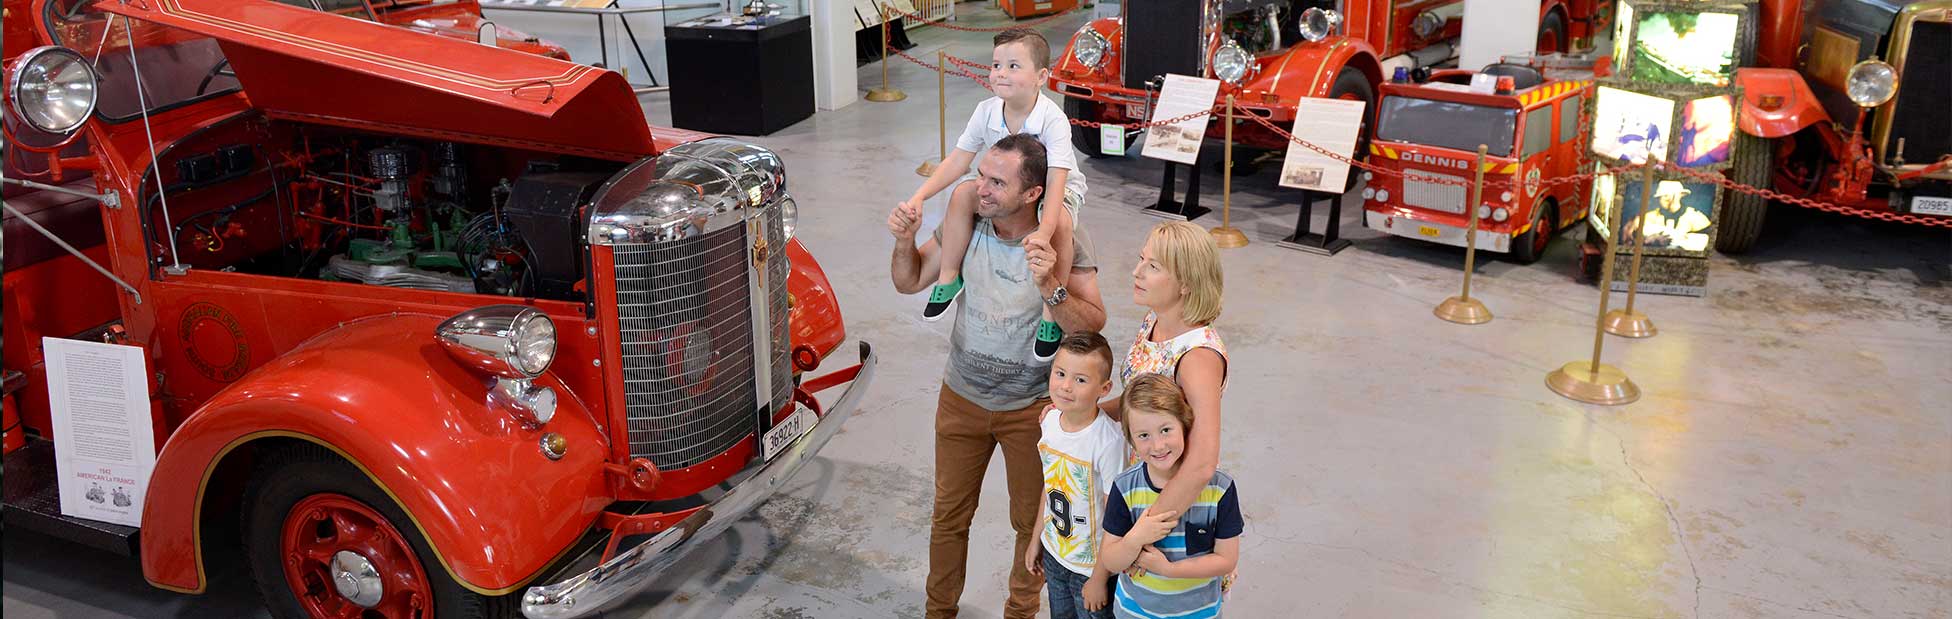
1632,126
1681,47
1622,32
1707,129
1680,219
1603,201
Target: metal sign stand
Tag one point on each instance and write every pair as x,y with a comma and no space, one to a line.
1168,208
1330,241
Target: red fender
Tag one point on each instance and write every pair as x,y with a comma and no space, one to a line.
383,394
1799,107
1308,69
815,317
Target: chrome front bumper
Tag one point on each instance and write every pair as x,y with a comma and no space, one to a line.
633,569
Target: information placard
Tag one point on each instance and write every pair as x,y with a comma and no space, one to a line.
1180,142
104,441
1332,124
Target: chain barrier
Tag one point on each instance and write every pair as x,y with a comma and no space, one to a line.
944,24
1770,194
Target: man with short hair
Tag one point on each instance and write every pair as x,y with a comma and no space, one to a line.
994,386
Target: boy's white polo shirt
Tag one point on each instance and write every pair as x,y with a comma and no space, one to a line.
1046,121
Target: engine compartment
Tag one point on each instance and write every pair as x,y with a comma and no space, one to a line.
270,197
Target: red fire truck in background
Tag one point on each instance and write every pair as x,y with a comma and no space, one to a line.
1530,127
1842,107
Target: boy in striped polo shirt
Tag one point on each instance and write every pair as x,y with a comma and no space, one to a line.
1180,560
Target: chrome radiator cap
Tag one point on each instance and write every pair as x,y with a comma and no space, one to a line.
689,190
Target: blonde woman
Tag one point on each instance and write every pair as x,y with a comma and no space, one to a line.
1178,279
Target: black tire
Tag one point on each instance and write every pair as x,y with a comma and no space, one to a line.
1526,249
1554,26
1742,213
1352,83
1085,139
288,476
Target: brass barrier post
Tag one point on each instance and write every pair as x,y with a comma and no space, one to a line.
1463,309
927,168
1227,236
1594,382
1626,322
886,93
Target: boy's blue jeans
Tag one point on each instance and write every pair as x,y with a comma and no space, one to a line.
1067,591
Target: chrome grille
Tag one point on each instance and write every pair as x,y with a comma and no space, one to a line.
685,327
782,349
1420,192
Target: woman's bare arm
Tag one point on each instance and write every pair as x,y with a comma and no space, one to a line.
1199,375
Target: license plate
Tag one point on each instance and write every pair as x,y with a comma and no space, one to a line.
1135,110
799,423
1931,205
1429,231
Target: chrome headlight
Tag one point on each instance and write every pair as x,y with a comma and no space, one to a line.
1089,48
53,89
1427,24
1871,83
508,341
1231,62
789,215
1317,24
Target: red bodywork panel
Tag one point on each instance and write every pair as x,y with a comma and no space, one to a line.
1798,108
469,93
495,510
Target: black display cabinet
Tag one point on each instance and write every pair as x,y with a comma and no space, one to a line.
744,79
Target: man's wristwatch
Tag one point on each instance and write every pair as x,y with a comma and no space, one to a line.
1057,297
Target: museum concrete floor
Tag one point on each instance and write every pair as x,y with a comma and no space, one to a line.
1791,457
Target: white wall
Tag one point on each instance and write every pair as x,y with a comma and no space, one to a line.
1494,28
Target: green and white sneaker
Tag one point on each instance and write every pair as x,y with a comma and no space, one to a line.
1048,335
940,298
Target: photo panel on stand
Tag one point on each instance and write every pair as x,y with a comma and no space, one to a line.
1682,45
1604,197
1681,221
1631,126
1707,133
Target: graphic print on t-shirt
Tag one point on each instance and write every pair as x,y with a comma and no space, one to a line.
1072,505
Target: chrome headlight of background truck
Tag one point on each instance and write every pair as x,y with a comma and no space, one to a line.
53,89
1317,24
509,341
1231,62
1090,47
1871,83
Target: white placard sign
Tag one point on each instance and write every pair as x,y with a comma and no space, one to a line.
1111,140
1332,124
1180,142
104,440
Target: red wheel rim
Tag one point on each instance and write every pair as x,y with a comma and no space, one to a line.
1542,232
322,526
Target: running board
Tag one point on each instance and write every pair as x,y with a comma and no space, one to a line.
32,502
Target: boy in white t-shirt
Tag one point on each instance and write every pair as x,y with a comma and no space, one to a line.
1083,451
1022,61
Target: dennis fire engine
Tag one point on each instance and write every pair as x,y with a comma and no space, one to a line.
1431,132
1269,54
437,328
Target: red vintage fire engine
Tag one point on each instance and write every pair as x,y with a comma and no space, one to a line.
442,329
1842,107
1430,132
1269,54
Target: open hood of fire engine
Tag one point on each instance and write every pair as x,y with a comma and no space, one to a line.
310,66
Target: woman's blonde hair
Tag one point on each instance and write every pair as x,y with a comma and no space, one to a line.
1188,252
1155,393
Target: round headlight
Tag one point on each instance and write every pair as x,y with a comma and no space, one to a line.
1382,195
1230,62
1317,24
1089,48
1428,24
1504,197
534,344
1871,83
1500,214
53,89
789,215
1368,193
1483,211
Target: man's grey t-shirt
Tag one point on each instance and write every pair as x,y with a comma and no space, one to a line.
990,358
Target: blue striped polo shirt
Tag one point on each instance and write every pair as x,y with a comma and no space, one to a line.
1214,516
